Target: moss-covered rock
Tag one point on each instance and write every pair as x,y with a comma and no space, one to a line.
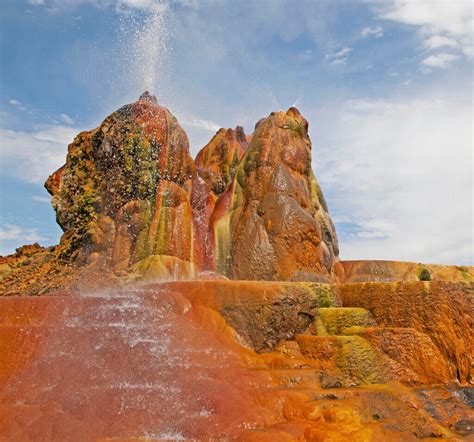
272,222
129,190
218,160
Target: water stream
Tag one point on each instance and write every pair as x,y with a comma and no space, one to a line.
125,364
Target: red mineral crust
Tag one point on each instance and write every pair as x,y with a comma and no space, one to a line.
272,222
205,300
130,197
220,359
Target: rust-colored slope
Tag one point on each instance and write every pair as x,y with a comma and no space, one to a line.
218,160
166,361
441,310
393,271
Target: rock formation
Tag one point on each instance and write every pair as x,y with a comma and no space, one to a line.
218,160
272,222
131,196
297,346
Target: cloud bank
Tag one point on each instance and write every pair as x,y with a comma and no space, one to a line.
33,156
441,24
401,175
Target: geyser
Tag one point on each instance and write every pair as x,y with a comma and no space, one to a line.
271,355
130,197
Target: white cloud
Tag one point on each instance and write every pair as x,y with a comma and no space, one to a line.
65,118
400,173
12,232
338,57
439,41
440,22
17,104
454,17
33,156
376,31
441,60
41,199
198,130
190,121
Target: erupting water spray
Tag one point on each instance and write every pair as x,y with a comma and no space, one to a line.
145,34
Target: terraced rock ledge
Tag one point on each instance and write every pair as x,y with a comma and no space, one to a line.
239,359
205,300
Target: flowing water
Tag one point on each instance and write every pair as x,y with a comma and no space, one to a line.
145,37
130,363
120,364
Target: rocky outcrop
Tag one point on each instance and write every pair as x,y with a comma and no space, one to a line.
130,190
218,160
33,270
415,333
393,271
272,222
263,313
130,197
440,310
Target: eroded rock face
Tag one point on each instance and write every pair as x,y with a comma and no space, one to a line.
440,310
218,160
129,190
272,222
393,271
131,197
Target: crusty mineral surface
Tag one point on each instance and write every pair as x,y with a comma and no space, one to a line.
258,333
218,160
238,360
272,223
131,197
129,192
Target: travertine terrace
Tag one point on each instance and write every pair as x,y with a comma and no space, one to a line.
205,300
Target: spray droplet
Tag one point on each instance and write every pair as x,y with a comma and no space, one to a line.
146,37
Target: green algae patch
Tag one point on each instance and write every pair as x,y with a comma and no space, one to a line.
324,293
359,361
318,327
351,359
337,319
354,330
223,236
463,271
164,268
5,270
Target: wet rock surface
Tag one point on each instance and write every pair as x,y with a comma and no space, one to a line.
130,190
272,223
146,338
218,160
162,362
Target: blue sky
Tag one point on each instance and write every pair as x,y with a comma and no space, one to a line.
386,87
